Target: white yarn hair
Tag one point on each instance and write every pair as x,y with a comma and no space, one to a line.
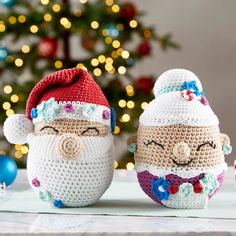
169,108
16,129
175,77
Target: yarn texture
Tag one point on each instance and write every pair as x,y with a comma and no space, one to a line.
179,150
68,126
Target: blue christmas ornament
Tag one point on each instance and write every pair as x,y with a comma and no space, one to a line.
7,3
3,54
8,170
112,30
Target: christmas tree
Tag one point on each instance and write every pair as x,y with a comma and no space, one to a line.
36,39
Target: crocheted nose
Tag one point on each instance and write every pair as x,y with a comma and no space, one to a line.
181,151
68,146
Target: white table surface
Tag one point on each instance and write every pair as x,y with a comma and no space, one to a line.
53,224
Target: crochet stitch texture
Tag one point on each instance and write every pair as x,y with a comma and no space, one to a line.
68,126
179,150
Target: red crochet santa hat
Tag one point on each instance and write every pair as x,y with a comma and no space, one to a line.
65,94
69,93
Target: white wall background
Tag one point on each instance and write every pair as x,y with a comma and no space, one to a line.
206,30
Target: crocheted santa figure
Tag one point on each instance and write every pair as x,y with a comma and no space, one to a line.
68,126
179,150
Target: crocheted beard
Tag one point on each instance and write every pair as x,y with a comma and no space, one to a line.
179,150
68,126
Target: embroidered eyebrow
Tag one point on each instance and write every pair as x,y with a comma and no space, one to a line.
90,128
49,127
211,144
152,141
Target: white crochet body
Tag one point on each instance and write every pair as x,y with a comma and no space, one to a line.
76,183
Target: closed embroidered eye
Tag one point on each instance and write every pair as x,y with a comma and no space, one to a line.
149,142
49,127
93,129
211,144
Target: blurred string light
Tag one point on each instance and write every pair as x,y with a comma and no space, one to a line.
121,70
7,89
47,17
94,62
83,1
144,105
125,118
108,40
147,34
115,164
25,48
111,30
65,22
44,2
130,104
56,7
129,90
21,18
102,59
14,98
94,24
77,13
122,103
3,54
117,130
133,24
109,2
115,8
12,20
81,66
58,64
19,62
34,29
130,166
115,44
2,26
97,72
119,51
125,54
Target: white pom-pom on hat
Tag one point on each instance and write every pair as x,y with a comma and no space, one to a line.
16,129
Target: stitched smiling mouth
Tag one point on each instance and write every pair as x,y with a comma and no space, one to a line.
182,164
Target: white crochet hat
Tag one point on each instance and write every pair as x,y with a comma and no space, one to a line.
178,100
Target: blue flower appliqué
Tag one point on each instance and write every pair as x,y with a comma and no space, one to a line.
58,203
89,111
45,195
160,188
48,109
113,120
193,87
34,113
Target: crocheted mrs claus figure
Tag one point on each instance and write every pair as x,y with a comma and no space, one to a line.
179,150
68,127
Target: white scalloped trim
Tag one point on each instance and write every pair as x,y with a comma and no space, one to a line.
78,113
183,172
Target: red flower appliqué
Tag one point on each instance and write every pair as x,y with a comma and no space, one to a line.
188,95
173,189
197,188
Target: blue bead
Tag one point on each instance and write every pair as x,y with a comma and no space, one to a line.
34,113
113,120
8,170
58,203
